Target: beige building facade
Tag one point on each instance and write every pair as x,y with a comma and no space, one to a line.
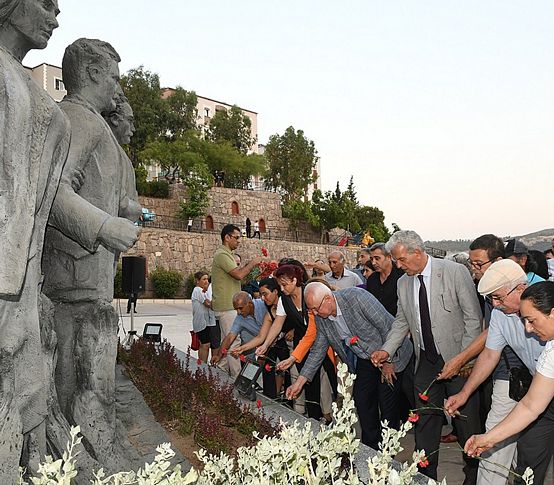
49,77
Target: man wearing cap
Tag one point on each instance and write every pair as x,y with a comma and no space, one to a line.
502,284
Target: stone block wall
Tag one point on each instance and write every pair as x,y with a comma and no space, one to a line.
189,252
233,206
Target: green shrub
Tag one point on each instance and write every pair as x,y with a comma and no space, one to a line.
189,286
117,287
166,282
159,189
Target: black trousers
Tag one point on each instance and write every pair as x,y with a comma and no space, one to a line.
535,446
428,428
375,401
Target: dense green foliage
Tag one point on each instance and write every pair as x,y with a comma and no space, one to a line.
166,282
232,126
156,188
291,159
342,209
117,288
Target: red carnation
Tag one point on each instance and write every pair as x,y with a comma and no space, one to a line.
268,368
199,361
424,463
258,404
354,340
264,252
423,396
413,417
224,351
242,358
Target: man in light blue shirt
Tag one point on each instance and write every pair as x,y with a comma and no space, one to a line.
248,322
502,285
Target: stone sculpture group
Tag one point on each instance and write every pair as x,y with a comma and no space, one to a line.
67,209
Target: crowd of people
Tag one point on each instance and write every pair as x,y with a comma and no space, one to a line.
469,339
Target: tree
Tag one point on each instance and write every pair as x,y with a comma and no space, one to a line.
232,126
175,157
180,113
156,118
291,160
198,181
142,89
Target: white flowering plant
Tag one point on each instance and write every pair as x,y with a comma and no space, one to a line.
297,455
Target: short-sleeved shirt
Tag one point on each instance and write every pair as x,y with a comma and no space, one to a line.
545,365
248,327
202,316
224,286
349,279
509,330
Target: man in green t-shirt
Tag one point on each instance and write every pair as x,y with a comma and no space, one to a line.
226,278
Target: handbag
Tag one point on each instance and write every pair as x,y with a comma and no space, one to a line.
520,380
194,340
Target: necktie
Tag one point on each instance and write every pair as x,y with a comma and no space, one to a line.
425,317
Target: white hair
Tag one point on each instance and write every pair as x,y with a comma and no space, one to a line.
317,289
411,240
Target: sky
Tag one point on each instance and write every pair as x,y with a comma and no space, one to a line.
441,110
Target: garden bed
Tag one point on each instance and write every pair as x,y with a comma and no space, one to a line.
196,409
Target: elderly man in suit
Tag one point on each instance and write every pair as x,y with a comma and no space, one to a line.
437,304
355,324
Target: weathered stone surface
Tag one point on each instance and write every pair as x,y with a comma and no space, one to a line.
92,220
34,138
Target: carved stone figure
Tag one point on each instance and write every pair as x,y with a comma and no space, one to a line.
34,139
91,222
121,122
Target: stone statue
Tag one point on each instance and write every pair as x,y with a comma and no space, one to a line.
34,139
121,122
91,222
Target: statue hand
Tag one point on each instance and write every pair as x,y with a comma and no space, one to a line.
118,233
130,209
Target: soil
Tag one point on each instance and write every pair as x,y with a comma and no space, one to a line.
188,446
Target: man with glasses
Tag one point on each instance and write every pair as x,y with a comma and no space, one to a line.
226,278
355,324
502,285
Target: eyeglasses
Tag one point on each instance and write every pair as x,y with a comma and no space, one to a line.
499,299
479,265
316,310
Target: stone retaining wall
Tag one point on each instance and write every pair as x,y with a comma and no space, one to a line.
188,252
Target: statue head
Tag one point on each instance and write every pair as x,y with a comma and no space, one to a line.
90,69
121,119
27,24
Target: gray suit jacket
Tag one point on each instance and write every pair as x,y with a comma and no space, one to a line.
454,308
367,319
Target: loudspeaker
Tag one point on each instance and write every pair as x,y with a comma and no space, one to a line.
133,274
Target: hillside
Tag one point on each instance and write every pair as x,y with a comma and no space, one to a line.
540,240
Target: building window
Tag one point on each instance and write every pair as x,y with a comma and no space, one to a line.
207,112
58,84
235,208
209,223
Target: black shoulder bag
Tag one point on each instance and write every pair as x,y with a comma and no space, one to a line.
520,380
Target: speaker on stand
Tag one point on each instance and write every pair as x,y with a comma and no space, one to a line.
133,281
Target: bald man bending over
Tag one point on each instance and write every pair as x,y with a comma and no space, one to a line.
340,316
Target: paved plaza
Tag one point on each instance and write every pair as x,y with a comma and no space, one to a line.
176,318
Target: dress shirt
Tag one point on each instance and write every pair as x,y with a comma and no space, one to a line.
426,273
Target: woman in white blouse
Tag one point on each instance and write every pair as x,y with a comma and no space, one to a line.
537,313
